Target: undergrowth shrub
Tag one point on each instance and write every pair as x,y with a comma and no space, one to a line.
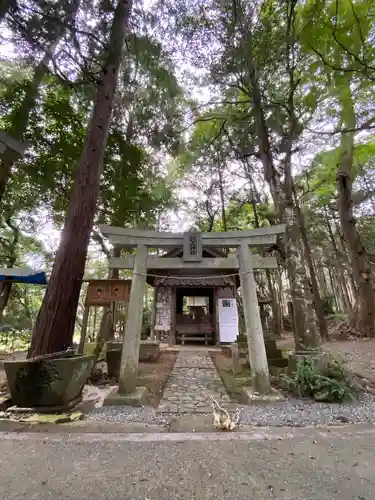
308,381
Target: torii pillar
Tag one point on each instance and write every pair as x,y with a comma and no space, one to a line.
255,339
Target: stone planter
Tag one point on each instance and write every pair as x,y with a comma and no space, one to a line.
48,384
149,350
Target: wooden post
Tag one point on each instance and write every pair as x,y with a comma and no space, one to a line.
172,328
257,351
132,337
83,329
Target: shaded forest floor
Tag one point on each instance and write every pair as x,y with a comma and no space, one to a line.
359,354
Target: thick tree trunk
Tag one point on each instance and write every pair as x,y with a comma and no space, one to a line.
54,327
5,6
318,304
340,259
305,334
275,306
341,281
305,329
333,290
364,315
320,274
276,311
21,117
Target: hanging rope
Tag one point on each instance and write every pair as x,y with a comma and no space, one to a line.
187,277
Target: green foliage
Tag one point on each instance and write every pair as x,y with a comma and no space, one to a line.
12,340
328,303
308,382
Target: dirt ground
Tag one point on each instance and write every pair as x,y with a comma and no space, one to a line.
232,383
154,376
358,354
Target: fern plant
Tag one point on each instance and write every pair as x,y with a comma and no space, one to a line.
307,382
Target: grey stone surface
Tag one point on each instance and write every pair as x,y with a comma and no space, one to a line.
193,381
315,466
255,398
135,398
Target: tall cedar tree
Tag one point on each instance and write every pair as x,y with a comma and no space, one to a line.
54,327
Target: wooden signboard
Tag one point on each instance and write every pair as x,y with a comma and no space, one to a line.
103,292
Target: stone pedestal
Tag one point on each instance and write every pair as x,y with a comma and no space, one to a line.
137,397
274,355
296,357
252,397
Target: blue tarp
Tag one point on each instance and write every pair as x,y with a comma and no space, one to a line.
33,278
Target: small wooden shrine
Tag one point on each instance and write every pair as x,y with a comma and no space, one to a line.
177,318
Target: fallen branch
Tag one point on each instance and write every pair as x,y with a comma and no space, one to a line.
223,420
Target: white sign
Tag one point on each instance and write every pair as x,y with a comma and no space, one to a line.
228,320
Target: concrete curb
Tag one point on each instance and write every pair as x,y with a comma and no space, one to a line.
83,427
313,434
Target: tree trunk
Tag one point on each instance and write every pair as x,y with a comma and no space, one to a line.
305,329
340,258
276,311
5,6
107,324
333,289
279,287
21,116
5,290
319,272
364,314
318,303
275,306
54,327
222,196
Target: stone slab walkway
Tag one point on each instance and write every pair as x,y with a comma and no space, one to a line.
193,380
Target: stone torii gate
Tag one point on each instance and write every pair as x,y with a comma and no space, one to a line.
192,244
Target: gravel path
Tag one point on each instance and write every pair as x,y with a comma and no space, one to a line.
293,412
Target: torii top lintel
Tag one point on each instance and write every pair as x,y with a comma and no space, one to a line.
130,238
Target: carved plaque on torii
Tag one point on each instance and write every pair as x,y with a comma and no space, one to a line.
192,247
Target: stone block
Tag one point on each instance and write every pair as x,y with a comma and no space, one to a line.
252,397
113,358
149,350
278,363
296,357
136,398
277,371
226,349
271,348
114,345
